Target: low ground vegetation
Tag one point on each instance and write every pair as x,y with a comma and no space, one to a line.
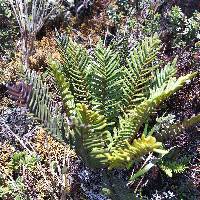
99,100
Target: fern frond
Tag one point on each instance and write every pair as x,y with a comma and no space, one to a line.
139,72
168,130
131,123
170,87
91,136
106,82
44,108
162,76
63,85
176,167
74,68
62,41
123,157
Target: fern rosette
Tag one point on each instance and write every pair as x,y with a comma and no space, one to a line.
106,105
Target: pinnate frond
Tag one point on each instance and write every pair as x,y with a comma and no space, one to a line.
91,136
162,76
174,167
139,72
130,125
64,88
75,59
106,82
41,104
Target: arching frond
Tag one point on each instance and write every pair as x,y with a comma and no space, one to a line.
131,123
44,108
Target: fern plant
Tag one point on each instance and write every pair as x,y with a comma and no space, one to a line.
125,97
106,105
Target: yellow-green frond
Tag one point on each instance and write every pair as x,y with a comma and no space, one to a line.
122,157
64,88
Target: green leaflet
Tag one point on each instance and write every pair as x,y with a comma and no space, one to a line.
142,171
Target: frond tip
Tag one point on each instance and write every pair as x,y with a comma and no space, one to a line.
122,157
139,70
106,82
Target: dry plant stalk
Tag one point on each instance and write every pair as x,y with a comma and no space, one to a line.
31,16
